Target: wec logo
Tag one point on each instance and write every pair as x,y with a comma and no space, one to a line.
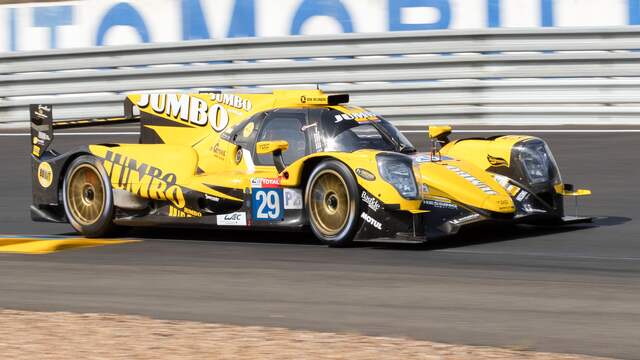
232,217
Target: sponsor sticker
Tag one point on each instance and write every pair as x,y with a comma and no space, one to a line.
238,156
248,129
472,179
233,100
375,223
211,198
363,116
424,158
371,201
496,161
233,219
441,204
522,195
465,219
143,179
292,199
267,204
365,174
261,183
183,213
191,109
218,151
45,174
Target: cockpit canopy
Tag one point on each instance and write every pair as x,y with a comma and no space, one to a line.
314,129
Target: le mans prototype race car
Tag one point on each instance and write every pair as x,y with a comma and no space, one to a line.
289,160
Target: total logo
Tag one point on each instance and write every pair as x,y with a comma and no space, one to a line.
262,183
375,223
373,203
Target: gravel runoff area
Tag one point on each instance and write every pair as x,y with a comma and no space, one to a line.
62,335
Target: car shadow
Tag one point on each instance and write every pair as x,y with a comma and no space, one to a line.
481,233
485,233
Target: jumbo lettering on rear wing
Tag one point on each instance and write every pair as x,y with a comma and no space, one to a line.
43,126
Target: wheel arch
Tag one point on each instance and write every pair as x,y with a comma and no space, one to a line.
65,167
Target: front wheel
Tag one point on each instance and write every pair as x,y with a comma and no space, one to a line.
332,203
88,198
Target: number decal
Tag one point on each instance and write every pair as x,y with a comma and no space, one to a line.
268,204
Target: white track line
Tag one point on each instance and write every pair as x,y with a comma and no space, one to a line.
588,257
78,134
508,131
534,131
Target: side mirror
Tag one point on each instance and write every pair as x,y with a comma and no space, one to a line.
439,132
276,147
438,136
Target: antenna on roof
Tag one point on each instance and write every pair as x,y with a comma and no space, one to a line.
317,86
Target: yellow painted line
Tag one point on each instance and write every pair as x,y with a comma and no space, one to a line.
47,246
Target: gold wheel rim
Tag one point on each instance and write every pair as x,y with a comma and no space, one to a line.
329,202
85,194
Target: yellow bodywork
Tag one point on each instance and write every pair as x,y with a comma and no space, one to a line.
194,153
495,153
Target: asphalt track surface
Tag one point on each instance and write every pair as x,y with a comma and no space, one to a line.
574,289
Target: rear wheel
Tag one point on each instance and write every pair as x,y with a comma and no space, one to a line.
332,203
88,197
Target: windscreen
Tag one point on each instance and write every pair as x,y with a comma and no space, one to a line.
350,134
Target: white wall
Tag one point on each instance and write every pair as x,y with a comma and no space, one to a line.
110,22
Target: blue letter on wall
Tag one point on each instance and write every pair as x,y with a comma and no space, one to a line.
243,20
193,25
331,8
13,34
493,13
546,10
52,17
395,11
125,15
634,12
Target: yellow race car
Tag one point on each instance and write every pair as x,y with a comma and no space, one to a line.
288,160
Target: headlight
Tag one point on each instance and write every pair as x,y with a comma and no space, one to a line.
397,171
537,162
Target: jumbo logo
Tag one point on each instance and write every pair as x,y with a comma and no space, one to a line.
189,109
359,116
233,100
142,179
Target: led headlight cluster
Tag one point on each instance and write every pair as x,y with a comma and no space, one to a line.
397,171
537,162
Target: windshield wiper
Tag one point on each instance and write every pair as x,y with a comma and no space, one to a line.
399,147
406,149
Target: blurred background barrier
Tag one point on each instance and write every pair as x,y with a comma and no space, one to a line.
486,76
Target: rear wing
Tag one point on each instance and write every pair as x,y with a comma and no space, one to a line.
43,126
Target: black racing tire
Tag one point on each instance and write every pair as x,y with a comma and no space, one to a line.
332,203
88,197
